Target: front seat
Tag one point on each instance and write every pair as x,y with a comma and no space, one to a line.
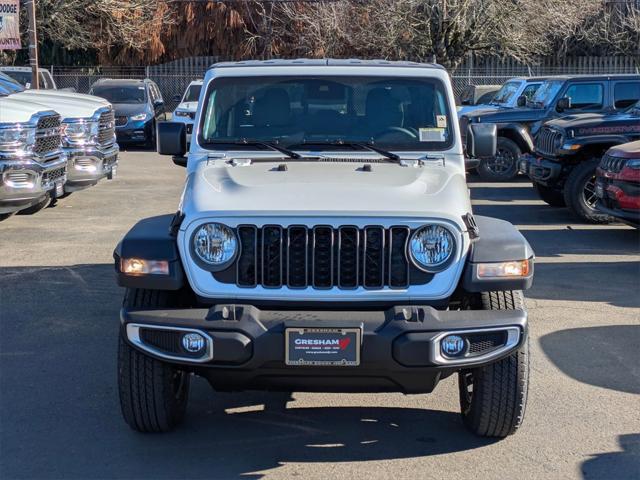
272,113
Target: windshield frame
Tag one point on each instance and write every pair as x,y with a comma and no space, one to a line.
549,101
236,144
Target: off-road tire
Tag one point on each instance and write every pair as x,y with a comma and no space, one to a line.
549,195
509,148
493,398
574,195
153,394
33,209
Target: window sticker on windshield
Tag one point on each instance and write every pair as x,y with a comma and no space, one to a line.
441,121
432,135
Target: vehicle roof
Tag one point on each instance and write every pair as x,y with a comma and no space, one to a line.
320,62
620,76
12,68
122,81
526,79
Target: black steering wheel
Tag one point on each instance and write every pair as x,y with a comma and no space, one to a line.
395,130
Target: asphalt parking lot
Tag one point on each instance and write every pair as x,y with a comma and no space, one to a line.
59,412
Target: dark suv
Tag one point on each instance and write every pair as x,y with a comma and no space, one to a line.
138,104
558,96
568,151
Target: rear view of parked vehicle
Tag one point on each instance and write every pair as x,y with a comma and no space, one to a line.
138,104
568,150
32,163
186,110
618,183
557,97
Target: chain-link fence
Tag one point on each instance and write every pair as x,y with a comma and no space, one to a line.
173,78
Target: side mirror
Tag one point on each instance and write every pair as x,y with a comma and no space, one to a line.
482,140
522,101
177,98
172,139
158,103
563,104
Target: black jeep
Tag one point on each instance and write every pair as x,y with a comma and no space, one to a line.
567,153
558,96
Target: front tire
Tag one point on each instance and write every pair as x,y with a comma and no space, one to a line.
549,195
493,398
153,394
580,195
504,166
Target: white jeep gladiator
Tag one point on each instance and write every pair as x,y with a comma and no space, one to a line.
32,162
324,241
88,132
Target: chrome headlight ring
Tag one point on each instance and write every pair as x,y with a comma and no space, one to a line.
432,248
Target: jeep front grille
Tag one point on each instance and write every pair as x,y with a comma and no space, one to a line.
47,135
612,164
323,257
106,129
547,141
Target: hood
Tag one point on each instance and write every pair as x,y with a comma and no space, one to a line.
508,115
586,124
67,107
188,106
325,188
626,150
128,109
19,110
68,95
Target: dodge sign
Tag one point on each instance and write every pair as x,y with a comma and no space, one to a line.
9,25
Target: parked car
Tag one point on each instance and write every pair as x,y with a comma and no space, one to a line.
618,183
32,163
507,96
477,95
567,152
23,76
138,105
558,96
331,252
88,132
188,104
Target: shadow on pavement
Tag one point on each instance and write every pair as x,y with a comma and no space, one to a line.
60,414
623,465
605,357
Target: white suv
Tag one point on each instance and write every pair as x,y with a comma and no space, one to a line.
324,242
186,110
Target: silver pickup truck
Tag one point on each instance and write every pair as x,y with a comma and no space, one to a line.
325,241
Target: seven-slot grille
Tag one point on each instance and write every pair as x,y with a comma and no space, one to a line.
47,135
323,257
548,141
612,164
121,120
106,128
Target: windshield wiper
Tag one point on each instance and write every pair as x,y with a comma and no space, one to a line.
256,143
366,146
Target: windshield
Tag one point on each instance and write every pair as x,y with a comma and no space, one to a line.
192,94
545,94
506,92
120,94
634,109
9,84
392,112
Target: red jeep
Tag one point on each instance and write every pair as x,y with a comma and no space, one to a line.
618,183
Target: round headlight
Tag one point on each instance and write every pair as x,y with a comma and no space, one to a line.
431,247
215,244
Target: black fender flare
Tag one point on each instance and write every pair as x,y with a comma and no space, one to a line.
151,239
498,241
519,134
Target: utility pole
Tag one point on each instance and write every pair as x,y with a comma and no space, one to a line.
33,44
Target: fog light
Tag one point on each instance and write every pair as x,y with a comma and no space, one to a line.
193,342
139,266
453,345
520,268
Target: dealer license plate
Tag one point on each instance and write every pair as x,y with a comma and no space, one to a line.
323,346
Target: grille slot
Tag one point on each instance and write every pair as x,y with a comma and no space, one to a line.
106,128
612,164
323,257
546,141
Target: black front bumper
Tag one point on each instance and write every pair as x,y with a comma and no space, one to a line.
397,352
540,170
